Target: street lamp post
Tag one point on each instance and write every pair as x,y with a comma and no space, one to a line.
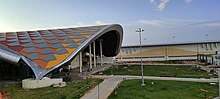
174,41
206,36
139,30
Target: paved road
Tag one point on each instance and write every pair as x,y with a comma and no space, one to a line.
111,82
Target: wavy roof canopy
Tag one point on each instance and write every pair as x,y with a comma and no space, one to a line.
46,50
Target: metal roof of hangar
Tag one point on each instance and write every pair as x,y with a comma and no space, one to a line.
46,50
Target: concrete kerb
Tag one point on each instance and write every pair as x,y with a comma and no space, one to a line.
158,78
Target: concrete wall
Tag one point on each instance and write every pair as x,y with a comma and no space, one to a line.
74,63
32,83
208,48
105,60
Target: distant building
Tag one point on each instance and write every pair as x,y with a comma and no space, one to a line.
39,53
165,52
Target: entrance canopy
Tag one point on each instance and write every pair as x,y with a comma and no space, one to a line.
46,50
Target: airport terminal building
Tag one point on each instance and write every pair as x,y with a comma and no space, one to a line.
166,52
39,53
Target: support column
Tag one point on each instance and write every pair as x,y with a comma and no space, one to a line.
100,52
80,62
90,57
120,56
201,58
94,56
206,59
166,53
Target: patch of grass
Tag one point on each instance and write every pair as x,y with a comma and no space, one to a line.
162,71
170,62
73,90
132,89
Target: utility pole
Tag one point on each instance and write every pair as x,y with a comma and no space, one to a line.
174,41
139,30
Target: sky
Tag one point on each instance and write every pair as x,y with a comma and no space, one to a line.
163,21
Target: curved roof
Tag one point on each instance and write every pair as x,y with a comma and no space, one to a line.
46,50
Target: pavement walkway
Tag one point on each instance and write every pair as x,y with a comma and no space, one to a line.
157,78
104,89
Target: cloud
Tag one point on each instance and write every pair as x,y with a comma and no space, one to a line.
5,27
11,28
150,22
152,1
158,23
206,23
100,23
162,5
188,1
82,24
164,31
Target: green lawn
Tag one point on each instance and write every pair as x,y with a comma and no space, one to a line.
73,90
131,89
163,71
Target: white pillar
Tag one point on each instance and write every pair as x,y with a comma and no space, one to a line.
94,56
101,52
80,62
90,56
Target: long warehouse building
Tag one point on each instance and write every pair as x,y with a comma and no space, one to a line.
166,52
